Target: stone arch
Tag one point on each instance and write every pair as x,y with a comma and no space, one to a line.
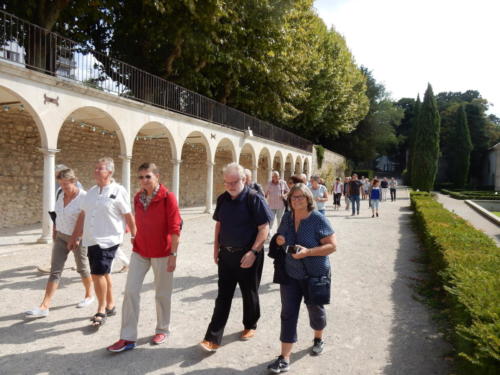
298,165
153,143
288,167
264,165
278,162
21,171
247,156
87,134
195,154
306,167
225,153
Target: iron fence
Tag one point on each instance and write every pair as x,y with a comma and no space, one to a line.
29,45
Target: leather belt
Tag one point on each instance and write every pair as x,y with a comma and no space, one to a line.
232,249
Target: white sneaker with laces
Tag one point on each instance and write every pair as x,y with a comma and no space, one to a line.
85,302
37,313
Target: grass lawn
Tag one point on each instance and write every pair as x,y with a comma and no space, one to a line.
496,213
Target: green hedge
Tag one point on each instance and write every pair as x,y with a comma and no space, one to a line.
467,194
467,263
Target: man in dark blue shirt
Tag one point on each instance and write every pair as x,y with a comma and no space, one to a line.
242,225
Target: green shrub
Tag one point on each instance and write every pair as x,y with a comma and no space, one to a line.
467,194
466,262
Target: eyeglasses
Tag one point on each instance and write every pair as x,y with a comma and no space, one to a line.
232,183
148,176
297,197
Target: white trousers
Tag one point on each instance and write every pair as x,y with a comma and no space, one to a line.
163,282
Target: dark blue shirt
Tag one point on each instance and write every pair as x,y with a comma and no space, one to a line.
240,217
311,230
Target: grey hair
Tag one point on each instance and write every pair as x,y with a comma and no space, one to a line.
233,169
275,173
315,178
60,167
248,172
110,164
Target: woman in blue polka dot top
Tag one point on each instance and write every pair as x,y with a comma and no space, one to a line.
314,240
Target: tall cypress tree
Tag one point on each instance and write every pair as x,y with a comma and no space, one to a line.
461,146
411,140
426,148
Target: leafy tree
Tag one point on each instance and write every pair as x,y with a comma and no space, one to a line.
462,146
375,134
426,145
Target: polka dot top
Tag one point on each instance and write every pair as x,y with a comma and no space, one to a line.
311,230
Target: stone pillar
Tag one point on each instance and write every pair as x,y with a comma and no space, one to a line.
210,187
269,175
126,172
282,174
176,178
49,192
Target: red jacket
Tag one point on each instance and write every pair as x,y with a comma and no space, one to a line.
156,225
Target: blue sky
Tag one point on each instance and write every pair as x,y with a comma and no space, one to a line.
452,44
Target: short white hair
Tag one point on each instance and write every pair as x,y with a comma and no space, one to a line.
234,169
60,167
275,173
248,172
110,164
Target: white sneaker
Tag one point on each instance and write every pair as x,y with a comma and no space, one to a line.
37,313
85,302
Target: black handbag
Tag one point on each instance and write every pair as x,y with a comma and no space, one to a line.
318,288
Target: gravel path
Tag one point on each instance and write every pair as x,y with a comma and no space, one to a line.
375,326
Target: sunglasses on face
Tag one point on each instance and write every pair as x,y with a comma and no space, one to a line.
148,177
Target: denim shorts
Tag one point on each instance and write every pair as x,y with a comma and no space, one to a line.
100,259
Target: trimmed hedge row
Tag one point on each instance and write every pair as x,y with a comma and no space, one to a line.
467,263
483,195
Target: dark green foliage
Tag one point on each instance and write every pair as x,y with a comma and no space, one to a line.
461,146
414,113
474,194
320,154
426,145
466,262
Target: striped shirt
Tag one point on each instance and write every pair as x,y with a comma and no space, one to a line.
275,193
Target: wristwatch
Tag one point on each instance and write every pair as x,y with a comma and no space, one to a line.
174,254
255,252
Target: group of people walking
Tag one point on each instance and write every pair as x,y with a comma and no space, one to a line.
92,225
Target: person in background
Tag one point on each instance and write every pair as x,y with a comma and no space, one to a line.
385,186
309,232
337,190
156,242
252,184
320,194
276,192
67,209
346,192
355,187
375,195
104,212
393,184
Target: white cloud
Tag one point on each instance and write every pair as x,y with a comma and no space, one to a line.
453,44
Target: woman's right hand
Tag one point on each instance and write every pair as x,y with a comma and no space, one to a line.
280,240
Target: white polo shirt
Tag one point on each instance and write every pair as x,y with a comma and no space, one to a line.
66,216
104,223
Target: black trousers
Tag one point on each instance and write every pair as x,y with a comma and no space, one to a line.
336,199
230,274
393,194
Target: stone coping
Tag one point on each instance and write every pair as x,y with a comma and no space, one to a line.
488,215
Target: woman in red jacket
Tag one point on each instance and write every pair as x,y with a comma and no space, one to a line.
155,246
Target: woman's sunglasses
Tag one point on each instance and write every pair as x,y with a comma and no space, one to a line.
148,176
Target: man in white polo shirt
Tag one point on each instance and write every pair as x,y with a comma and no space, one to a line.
105,211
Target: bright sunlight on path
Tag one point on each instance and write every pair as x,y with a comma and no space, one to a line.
375,326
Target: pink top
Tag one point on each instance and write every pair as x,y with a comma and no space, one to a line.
274,194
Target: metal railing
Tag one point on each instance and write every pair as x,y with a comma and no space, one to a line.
29,45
